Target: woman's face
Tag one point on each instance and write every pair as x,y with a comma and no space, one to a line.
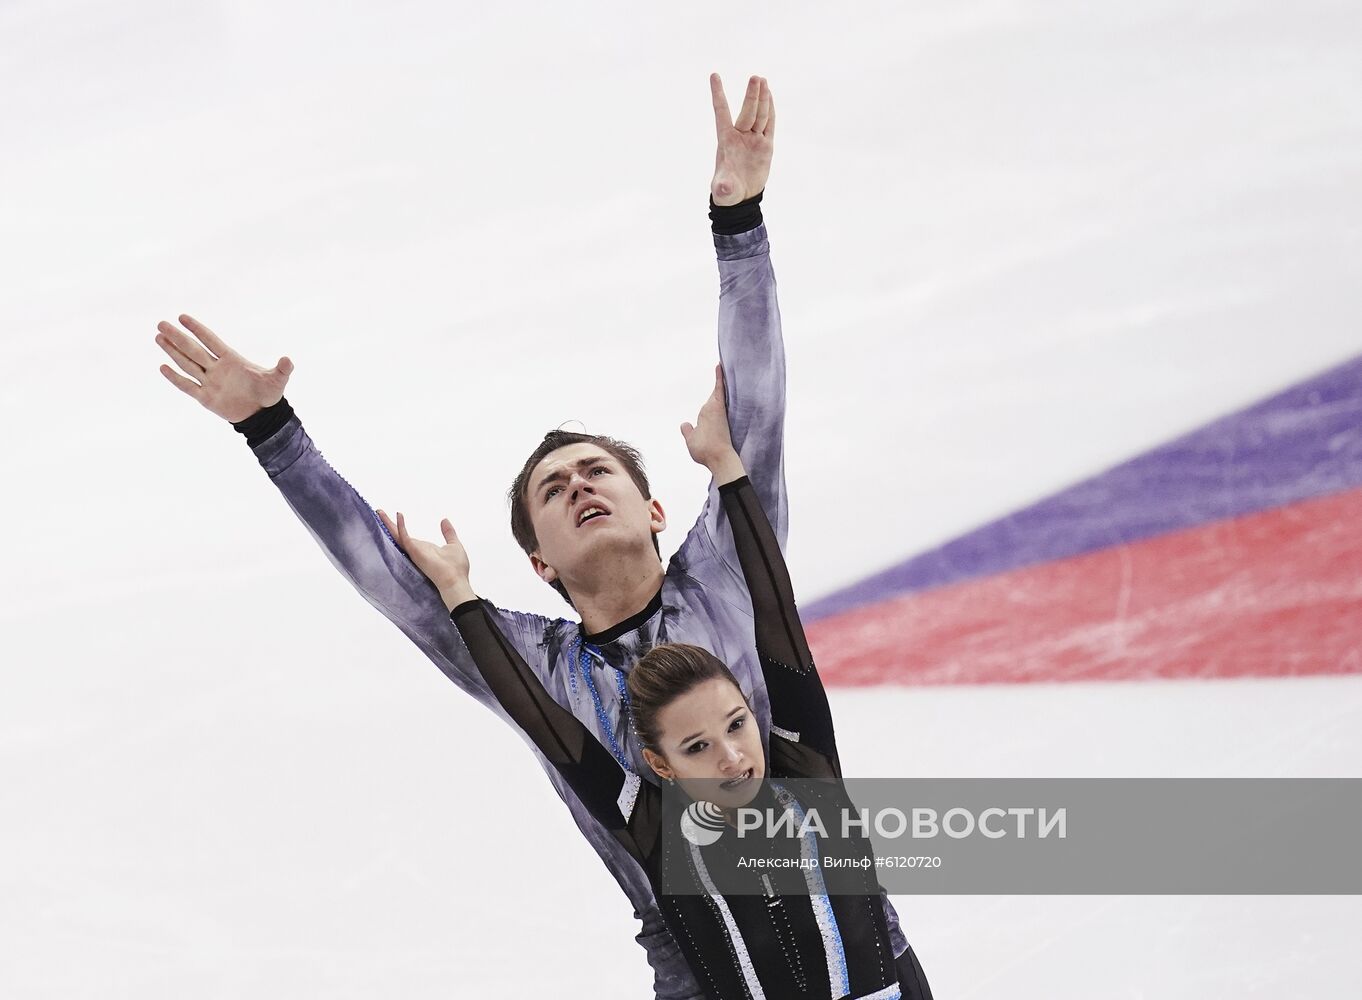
709,743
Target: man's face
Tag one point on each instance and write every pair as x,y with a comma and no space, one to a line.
710,744
584,508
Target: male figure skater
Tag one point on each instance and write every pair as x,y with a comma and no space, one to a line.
582,511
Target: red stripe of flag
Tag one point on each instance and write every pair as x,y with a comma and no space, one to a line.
1271,594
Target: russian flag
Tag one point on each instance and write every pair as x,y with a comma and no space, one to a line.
1232,551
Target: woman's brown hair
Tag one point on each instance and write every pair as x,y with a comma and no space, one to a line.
664,674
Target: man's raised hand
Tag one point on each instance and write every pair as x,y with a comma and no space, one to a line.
742,161
219,378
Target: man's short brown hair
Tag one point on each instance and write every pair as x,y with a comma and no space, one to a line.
522,527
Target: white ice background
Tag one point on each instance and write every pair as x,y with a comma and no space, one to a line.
1015,243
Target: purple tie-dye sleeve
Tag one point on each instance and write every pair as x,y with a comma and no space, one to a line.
359,546
752,353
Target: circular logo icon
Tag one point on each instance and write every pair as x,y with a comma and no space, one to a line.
702,823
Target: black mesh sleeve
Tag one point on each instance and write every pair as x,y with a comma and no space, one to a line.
798,701
587,767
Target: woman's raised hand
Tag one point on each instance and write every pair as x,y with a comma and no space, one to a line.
708,440
218,377
446,566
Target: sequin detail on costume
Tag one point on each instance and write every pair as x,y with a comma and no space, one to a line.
628,794
749,973
784,734
839,981
891,992
584,664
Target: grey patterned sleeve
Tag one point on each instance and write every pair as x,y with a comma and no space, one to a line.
358,545
752,354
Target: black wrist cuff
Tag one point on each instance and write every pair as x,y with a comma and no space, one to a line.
261,425
729,220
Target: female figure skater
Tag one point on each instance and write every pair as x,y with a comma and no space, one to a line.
791,938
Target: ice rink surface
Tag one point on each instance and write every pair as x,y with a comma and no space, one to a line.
1016,243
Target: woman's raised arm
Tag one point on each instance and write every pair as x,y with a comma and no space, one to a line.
799,705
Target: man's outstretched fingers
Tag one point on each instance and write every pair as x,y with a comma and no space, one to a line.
209,338
176,355
723,120
763,108
187,386
189,348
